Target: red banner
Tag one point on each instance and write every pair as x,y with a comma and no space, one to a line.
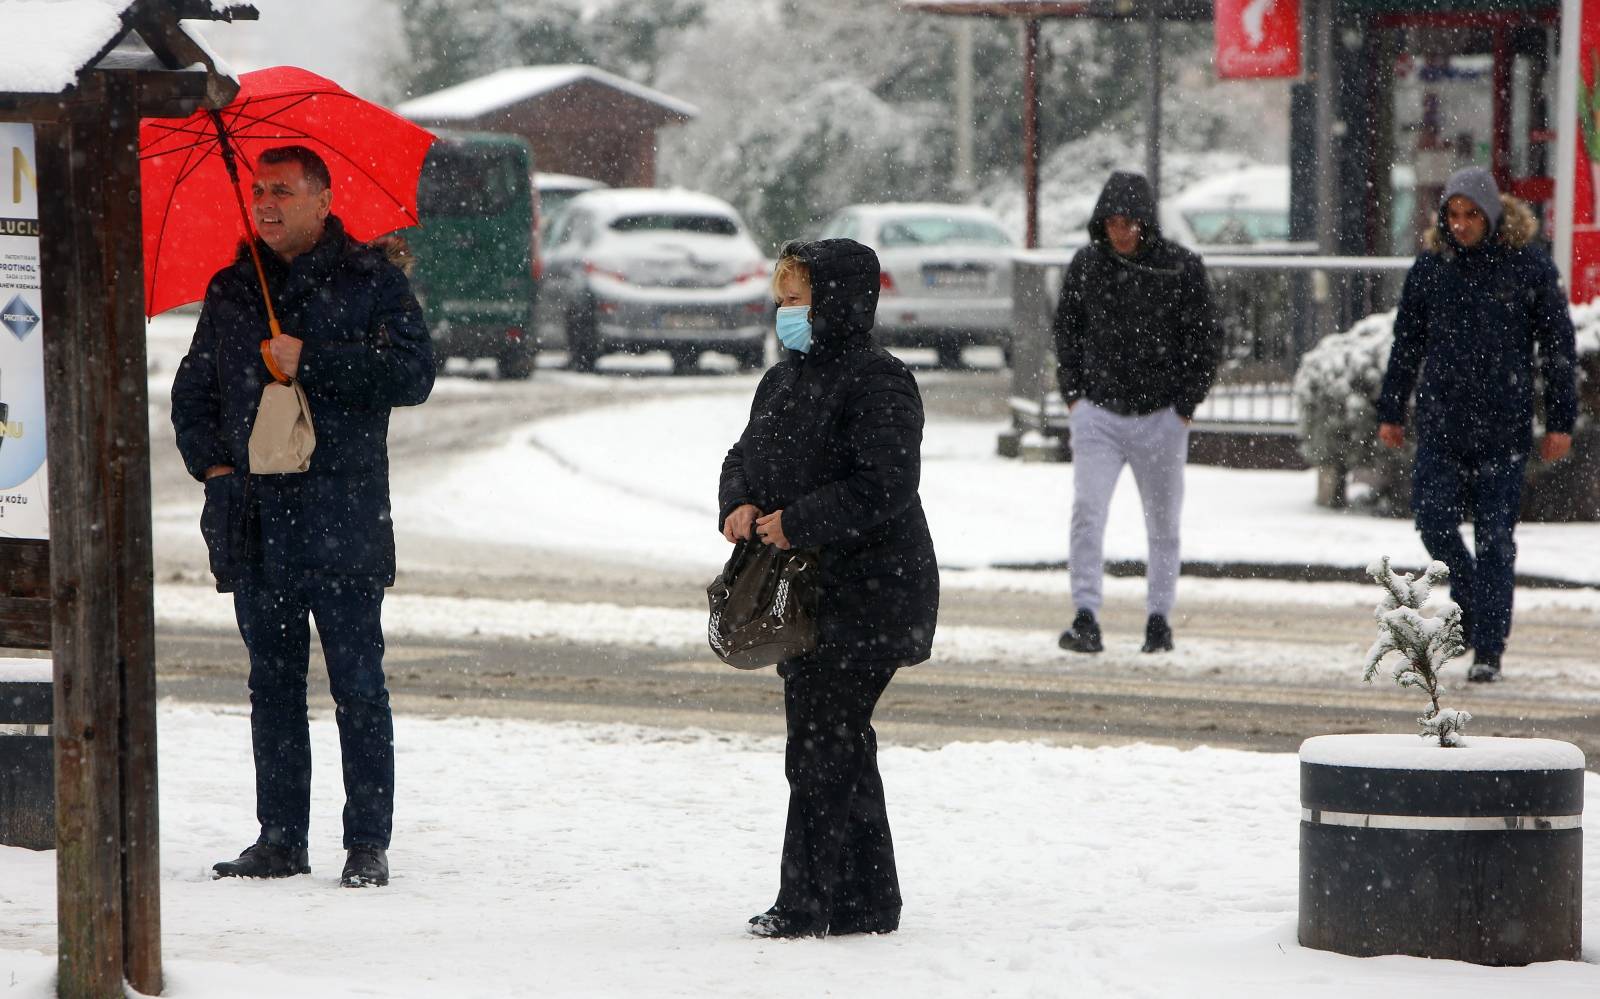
1585,217
1257,39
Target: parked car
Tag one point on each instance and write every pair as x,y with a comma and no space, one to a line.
554,190
475,249
946,279
1240,208
637,269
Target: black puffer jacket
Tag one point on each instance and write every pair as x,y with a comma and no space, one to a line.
1135,334
1474,321
366,350
835,442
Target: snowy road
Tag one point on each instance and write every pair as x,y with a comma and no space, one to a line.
555,541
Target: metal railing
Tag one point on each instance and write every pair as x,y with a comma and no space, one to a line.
1273,308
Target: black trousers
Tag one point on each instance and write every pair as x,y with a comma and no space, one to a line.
274,621
838,856
1448,488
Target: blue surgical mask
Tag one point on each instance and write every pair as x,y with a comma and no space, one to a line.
794,327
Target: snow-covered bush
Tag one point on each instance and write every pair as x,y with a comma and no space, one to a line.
1337,388
1426,644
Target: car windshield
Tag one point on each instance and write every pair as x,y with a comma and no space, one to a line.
456,182
1230,226
936,231
710,225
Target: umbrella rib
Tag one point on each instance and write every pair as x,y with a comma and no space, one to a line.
190,165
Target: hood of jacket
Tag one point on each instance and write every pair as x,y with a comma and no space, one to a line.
1127,194
1518,227
844,290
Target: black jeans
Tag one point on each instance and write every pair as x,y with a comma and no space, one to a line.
1448,488
838,856
273,619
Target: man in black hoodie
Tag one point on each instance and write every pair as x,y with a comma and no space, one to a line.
1137,344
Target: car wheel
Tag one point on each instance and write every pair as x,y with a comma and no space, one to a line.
517,360
950,355
751,357
583,348
684,359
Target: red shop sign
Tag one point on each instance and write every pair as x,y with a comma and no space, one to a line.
1257,39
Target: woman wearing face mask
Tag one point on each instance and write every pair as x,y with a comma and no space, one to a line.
830,462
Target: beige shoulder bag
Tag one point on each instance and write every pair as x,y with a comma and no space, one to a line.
283,437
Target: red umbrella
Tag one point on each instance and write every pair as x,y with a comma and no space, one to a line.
194,197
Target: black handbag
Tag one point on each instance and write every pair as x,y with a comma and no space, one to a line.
763,605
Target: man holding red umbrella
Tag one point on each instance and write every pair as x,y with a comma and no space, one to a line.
318,544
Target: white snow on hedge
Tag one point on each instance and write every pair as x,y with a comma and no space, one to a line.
1409,752
535,860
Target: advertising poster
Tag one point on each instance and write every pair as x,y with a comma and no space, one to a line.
23,490
1257,39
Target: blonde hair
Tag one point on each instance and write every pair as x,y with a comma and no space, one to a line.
789,266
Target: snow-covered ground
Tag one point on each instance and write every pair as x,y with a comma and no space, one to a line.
573,482
566,860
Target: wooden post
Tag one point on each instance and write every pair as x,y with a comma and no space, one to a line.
1030,128
108,904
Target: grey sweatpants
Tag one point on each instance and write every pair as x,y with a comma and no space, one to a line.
1156,446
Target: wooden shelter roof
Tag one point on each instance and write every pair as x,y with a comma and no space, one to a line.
53,47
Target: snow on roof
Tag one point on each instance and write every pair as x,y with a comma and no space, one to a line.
501,89
49,42
622,200
934,208
1264,187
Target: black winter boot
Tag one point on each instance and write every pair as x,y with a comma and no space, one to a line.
1157,635
1083,636
1485,667
264,860
775,925
365,866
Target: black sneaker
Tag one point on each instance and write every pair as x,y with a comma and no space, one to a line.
1485,667
1157,635
1083,636
775,925
365,866
264,860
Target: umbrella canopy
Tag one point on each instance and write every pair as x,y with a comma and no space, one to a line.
192,224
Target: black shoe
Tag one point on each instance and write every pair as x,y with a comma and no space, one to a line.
869,921
365,866
1083,636
774,925
1157,635
1485,668
264,860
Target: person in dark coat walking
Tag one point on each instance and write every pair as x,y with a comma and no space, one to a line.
318,544
1137,344
1477,304
830,461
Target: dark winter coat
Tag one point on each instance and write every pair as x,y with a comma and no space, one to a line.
1470,319
1135,334
366,350
835,442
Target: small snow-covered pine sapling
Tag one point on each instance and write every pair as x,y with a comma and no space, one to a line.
1425,643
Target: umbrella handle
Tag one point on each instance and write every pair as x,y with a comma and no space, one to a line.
226,148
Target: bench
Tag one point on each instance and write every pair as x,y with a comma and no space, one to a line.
27,770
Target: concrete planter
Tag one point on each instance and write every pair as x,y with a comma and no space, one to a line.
1473,853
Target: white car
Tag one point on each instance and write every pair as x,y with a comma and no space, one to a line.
946,274
638,269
